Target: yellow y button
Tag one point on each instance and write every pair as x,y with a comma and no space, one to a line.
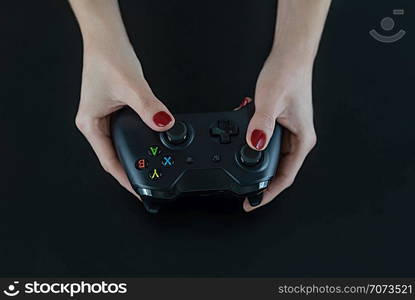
154,174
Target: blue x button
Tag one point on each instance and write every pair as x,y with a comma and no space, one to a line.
167,161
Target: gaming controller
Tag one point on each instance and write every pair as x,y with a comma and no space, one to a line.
201,154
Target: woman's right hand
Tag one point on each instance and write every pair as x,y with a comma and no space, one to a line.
112,78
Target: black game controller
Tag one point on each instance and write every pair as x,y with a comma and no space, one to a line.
201,154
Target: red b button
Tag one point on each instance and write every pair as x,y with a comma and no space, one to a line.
141,164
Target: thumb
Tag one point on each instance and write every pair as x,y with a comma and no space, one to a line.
261,127
152,111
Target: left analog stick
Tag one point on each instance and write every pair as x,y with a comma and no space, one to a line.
177,134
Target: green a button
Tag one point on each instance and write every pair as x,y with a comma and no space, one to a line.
154,150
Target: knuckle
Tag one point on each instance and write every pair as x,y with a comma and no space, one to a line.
289,182
107,164
286,180
313,141
85,124
81,122
144,103
266,118
105,167
310,139
144,106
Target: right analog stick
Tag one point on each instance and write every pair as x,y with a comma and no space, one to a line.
250,157
177,134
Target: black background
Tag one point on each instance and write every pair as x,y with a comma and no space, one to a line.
349,213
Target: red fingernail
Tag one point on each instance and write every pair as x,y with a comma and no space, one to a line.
162,119
244,102
258,139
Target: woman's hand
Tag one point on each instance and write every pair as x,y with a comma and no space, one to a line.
283,94
111,79
283,90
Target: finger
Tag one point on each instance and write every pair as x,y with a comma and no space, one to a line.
288,168
261,126
244,102
103,148
153,112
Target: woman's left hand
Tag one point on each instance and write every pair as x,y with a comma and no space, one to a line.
284,95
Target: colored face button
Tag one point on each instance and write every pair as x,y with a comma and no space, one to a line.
141,164
154,150
167,161
154,174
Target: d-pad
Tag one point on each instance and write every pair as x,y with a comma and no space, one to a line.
224,129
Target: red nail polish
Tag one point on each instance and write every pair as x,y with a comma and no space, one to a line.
162,119
244,102
258,139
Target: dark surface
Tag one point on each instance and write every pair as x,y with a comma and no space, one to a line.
350,211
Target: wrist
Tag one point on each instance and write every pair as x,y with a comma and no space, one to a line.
100,23
113,56
291,60
102,40
113,48
282,74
